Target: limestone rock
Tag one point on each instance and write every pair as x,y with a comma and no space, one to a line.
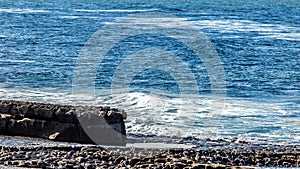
67,123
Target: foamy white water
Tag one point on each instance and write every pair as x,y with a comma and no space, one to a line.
276,31
114,10
25,10
158,114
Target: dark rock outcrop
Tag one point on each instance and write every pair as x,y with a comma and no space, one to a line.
86,124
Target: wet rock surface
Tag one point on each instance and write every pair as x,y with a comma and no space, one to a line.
210,154
63,123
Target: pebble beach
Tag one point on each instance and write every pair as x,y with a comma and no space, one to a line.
219,154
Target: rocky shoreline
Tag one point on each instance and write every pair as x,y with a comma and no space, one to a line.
63,123
210,155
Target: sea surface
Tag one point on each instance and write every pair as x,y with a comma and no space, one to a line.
257,42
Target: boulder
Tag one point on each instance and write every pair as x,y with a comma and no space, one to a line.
2,125
43,129
4,107
87,124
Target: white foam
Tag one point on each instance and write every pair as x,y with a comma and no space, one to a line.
36,95
244,108
285,36
276,31
113,10
297,137
26,10
17,61
158,114
77,16
155,22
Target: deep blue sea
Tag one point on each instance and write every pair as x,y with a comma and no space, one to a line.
257,42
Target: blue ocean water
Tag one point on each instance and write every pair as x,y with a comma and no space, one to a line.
257,42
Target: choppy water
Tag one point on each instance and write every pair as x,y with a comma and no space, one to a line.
258,44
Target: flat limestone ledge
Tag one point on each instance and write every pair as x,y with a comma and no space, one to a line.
85,124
